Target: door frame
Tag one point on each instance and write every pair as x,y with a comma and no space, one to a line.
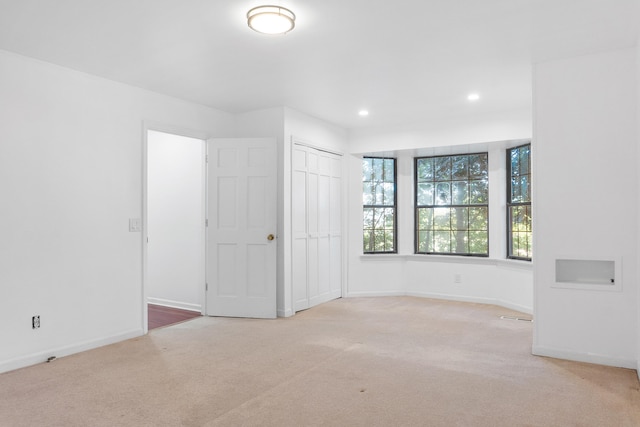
175,130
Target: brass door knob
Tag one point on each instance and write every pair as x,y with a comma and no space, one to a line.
271,237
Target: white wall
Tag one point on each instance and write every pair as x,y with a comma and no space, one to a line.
586,203
70,179
314,131
71,170
175,221
471,129
493,280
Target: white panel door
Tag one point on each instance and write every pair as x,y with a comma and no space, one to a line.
316,226
241,244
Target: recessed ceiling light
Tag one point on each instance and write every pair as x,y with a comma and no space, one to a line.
473,97
363,113
271,19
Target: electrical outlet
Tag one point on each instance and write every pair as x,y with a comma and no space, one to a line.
135,225
35,322
457,278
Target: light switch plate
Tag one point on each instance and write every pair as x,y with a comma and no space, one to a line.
135,225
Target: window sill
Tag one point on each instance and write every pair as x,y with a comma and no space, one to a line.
382,257
451,259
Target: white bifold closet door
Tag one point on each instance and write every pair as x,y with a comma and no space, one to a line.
316,225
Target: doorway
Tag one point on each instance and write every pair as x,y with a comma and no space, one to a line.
175,221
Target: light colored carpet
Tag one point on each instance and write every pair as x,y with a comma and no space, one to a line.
351,362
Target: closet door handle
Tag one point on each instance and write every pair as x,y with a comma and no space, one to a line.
270,237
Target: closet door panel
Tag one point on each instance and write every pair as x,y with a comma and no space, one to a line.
299,275
335,205
324,277
324,204
312,205
313,268
316,226
324,221
335,263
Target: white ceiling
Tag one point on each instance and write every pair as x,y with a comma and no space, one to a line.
404,60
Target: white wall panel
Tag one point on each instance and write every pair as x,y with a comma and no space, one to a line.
586,203
71,178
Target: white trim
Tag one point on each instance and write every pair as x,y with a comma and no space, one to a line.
513,264
452,259
175,130
477,300
382,257
447,297
205,221
448,150
33,359
598,359
299,141
365,294
144,236
175,304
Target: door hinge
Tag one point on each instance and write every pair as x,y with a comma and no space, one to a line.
206,158
206,222
206,286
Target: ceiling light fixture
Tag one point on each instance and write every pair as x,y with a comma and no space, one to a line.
363,113
271,19
473,97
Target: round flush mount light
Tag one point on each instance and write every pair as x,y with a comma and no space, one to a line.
473,97
271,19
363,113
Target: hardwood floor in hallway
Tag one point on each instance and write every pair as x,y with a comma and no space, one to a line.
160,315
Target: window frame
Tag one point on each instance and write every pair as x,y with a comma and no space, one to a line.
417,207
510,204
394,206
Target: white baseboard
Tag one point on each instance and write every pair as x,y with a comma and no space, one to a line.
33,359
477,300
515,307
597,359
375,294
175,304
491,301
284,313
